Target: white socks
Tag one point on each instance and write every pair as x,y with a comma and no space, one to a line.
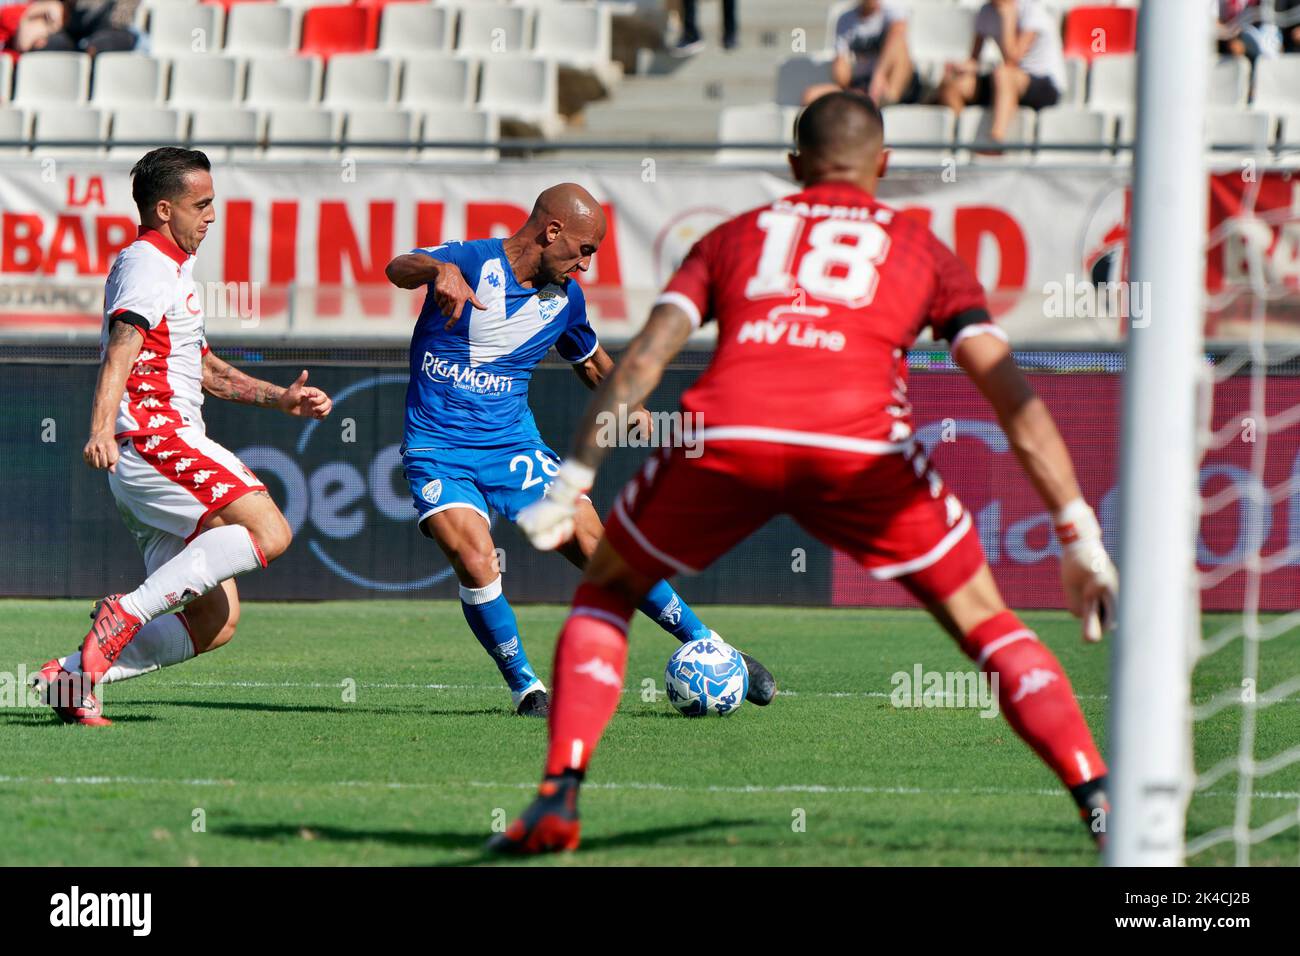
207,561
162,642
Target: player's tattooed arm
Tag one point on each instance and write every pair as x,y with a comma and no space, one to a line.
595,370
633,378
124,342
223,380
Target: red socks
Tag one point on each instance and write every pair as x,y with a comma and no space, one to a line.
1035,697
588,677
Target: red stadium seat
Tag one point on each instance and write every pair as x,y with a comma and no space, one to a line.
330,30
1091,32
374,10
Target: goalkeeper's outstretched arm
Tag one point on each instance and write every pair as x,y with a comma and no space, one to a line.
1087,574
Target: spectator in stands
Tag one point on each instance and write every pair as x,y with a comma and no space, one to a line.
95,26
28,26
1032,72
1241,32
690,42
871,55
1288,18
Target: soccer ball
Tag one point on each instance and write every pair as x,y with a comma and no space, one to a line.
705,677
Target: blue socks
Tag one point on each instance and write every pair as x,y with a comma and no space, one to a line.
666,608
493,622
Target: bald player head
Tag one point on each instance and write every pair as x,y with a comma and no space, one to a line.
840,137
561,235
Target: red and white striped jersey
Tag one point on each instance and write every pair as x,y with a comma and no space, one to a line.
154,278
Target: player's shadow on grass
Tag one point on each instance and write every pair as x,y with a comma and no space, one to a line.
323,708
406,838
37,719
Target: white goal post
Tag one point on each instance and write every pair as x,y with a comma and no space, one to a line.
1159,619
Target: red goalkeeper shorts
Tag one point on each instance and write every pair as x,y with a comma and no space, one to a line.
889,512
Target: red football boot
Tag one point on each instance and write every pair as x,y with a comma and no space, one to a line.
550,824
112,630
69,696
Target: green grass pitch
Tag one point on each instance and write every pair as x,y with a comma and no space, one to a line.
261,744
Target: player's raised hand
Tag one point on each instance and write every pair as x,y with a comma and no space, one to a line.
1087,574
305,401
101,452
549,521
451,292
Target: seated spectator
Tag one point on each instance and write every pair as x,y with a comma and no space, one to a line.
94,26
1032,72
1242,34
871,55
1288,18
26,27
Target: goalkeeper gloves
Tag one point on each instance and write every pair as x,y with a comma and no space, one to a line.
548,522
1087,574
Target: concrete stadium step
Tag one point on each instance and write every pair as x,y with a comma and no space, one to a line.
655,91
651,124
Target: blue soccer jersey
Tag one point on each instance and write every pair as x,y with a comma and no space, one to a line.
469,384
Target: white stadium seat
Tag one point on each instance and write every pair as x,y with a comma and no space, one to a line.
379,126
919,124
182,29
459,126
301,125
52,79
15,124
973,127
1112,83
206,80
282,80
157,125
491,30
439,82
6,78
1277,83
941,33
225,123
360,79
122,78
1230,81
576,35
415,28
1230,127
524,88
253,29
764,123
69,123
1065,126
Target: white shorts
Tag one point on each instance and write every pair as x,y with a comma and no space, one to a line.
167,485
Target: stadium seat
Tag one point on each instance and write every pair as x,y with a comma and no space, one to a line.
795,74
1076,82
1288,140
6,78
360,79
941,33
172,29
301,125
919,124
69,123
282,80
1064,126
122,78
764,123
973,127
52,79
213,124
229,5
1092,32
375,126
489,29
459,126
440,82
15,124
156,125
327,31
523,88
206,80
415,27
254,29
577,36
1112,84
1277,83
1230,81
1249,130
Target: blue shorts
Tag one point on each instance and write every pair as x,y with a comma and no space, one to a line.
504,480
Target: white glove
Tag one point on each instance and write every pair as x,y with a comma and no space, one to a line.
549,522
1087,574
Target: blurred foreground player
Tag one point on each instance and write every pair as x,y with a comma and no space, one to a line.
492,310
198,515
817,298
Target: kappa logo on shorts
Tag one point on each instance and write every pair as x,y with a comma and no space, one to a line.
432,491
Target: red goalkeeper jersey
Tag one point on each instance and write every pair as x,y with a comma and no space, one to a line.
817,298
